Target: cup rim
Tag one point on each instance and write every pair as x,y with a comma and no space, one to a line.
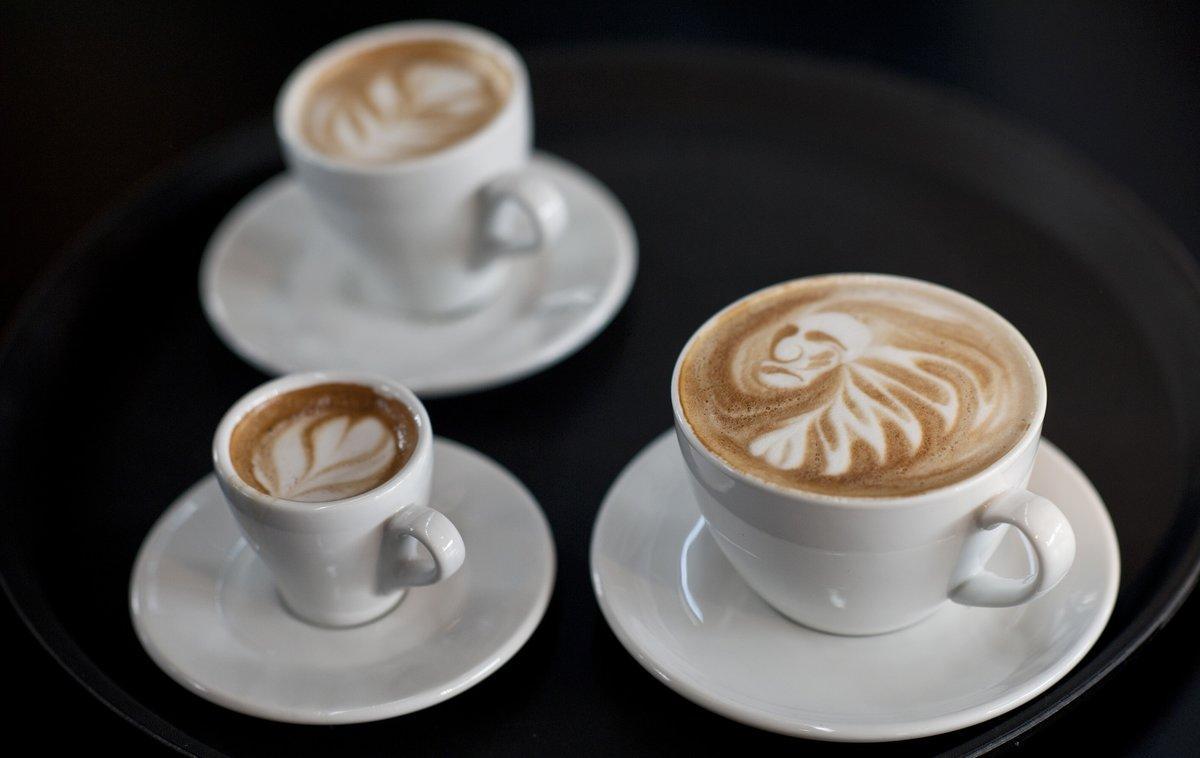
223,463
1032,433
285,101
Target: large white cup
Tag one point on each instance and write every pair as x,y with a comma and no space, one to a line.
868,565
344,562
440,229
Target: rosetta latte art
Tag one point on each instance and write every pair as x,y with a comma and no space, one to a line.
320,457
322,443
859,385
403,100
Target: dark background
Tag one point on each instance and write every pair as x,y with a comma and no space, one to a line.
96,96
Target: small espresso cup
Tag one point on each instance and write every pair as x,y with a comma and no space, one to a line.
439,229
344,562
857,565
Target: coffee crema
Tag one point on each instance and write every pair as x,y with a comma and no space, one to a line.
402,99
322,443
859,385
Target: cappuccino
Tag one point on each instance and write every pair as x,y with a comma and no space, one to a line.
321,443
402,99
859,385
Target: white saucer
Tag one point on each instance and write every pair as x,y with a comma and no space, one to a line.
678,607
286,296
205,609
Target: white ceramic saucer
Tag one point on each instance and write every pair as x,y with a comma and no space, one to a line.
205,610
680,609
285,295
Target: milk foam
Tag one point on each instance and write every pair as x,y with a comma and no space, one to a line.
859,385
324,442
316,458
403,100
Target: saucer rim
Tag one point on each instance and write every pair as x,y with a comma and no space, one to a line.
615,294
177,513
860,732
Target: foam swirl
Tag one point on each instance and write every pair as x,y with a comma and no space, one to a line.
323,443
403,100
859,385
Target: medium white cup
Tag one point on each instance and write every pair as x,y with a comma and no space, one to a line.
859,565
344,562
440,229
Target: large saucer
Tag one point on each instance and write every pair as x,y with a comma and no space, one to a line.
677,605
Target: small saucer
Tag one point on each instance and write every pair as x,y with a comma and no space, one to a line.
206,611
680,609
286,295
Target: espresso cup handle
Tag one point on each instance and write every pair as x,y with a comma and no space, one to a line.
536,199
439,536
1048,535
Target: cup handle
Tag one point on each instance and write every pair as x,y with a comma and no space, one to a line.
439,536
1047,534
537,200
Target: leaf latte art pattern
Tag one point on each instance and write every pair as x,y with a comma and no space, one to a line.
320,457
323,443
403,100
859,385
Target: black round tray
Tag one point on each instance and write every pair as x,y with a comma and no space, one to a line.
738,171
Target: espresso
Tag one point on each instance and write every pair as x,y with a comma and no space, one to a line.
401,100
322,443
859,385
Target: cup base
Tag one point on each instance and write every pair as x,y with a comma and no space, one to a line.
374,287
346,620
872,632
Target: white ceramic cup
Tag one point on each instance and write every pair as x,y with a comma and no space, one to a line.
344,562
440,229
868,565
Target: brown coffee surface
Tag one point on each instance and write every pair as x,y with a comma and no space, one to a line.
859,385
402,100
325,442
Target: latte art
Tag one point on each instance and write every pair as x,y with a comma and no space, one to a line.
323,443
859,385
403,100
